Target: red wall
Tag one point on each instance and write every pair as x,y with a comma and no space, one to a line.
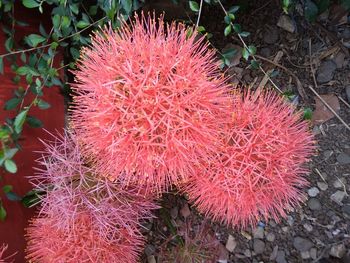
12,231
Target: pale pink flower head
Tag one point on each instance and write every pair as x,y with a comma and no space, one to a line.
48,243
149,100
74,187
261,170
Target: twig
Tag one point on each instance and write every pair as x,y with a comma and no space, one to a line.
276,59
347,104
253,56
318,95
47,45
199,13
319,173
344,186
296,79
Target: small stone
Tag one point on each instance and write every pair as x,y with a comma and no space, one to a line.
338,197
314,204
272,223
323,186
286,23
339,183
246,235
347,91
149,250
339,60
343,158
338,251
346,33
316,130
247,253
281,257
302,244
327,154
151,259
346,209
185,211
174,212
271,35
223,254
274,253
285,229
313,253
308,227
259,246
325,72
313,191
290,220
305,254
231,243
258,233
270,237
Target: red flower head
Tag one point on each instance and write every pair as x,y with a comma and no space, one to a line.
48,243
260,172
149,101
73,188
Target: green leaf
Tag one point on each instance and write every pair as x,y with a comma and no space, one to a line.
23,70
65,21
310,11
30,3
233,9
19,120
34,122
9,153
7,188
194,6
127,5
43,105
3,213
307,114
252,50
254,64
227,19
237,28
245,53
82,24
12,103
244,34
10,166
31,198
227,30
229,53
34,40
201,29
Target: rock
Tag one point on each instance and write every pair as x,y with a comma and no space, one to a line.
281,257
285,229
338,197
247,253
223,254
313,191
149,250
302,244
259,246
338,251
290,220
313,253
270,237
274,253
314,204
308,227
346,209
339,183
325,72
323,186
347,90
343,158
321,112
305,254
246,235
151,259
346,33
327,154
286,23
231,243
258,233
271,35
185,211
339,60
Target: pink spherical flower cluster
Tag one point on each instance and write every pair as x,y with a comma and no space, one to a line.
260,171
77,204
149,101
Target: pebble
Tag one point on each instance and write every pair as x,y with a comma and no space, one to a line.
290,220
286,23
149,250
285,229
308,227
271,35
270,237
305,254
281,257
346,209
302,244
338,251
327,154
343,158
274,253
346,33
339,60
185,211
314,204
323,186
259,246
313,191
339,183
313,253
347,90
247,253
338,197
258,233
151,259
231,243
325,72
246,235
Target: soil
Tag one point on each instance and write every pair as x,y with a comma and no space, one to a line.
319,230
